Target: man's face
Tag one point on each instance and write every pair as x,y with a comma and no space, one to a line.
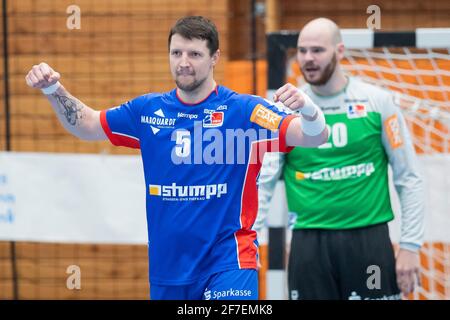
190,62
317,59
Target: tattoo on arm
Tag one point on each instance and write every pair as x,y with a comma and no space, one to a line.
70,108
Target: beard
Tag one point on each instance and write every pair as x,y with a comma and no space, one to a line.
190,86
324,76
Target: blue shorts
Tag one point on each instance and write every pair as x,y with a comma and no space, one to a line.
228,285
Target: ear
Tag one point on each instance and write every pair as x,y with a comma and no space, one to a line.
340,50
215,58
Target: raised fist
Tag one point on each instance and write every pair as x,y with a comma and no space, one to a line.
42,76
290,96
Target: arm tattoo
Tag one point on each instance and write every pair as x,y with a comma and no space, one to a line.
70,108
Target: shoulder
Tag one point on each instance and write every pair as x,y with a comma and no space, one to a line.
381,100
156,100
231,97
237,100
369,89
250,100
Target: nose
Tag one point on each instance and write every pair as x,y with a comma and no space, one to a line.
308,56
184,61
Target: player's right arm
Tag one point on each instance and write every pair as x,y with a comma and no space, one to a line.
75,116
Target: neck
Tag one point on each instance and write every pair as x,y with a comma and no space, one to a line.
199,94
337,83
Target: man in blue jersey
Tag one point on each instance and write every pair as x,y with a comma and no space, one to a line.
201,146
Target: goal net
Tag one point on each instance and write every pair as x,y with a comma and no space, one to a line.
416,67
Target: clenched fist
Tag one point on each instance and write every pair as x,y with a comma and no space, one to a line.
296,99
42,76
290,96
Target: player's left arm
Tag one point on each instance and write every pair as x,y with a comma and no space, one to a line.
409,186
309,129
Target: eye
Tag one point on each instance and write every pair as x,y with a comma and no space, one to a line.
196,54
302,50
317,50
176,53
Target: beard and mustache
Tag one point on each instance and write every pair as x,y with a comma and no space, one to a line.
324,76
190,86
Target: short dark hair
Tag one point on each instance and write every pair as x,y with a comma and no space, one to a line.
197,27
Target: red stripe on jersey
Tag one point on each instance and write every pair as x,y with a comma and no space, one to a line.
117,139
249,202
246,249
283,131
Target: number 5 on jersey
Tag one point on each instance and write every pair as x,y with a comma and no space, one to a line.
183,143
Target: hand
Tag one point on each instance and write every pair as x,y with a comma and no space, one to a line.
290,96
42,76
408,270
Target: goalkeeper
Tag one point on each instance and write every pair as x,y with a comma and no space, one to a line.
338,193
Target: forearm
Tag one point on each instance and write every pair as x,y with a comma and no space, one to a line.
75,116
406,174
296,135
413,208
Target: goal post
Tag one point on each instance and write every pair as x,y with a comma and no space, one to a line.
415,66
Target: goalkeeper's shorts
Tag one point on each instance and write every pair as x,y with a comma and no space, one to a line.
355,264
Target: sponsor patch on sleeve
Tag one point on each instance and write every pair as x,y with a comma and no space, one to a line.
392,128
265,117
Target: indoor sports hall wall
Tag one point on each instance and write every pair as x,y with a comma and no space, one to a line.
119,52
292,14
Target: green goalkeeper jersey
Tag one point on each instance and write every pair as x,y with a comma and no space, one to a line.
343,184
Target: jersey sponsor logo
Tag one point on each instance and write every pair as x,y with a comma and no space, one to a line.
207,294
335,174
265,117
330,108
159,121
355,296
187,115
222,107
175,192
213,119
348,100
356,111
217,295
393,131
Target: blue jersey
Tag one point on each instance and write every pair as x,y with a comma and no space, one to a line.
201,164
